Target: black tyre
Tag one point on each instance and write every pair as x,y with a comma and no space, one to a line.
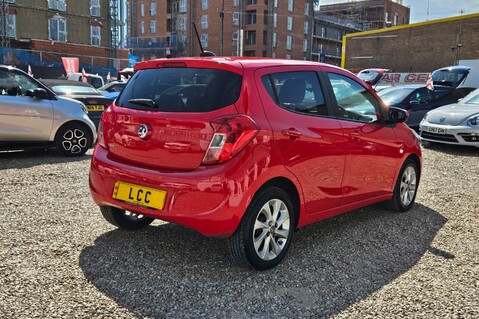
264,235
406,187
73,139
125,219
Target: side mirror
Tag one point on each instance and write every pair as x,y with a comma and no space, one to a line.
397,115
38,93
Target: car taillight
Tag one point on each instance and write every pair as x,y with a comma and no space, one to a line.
231,134
101,137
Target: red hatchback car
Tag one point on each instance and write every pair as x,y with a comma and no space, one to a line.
249,149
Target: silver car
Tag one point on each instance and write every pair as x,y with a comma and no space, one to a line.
31,115
456,123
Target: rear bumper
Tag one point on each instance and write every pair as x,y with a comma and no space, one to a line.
211,199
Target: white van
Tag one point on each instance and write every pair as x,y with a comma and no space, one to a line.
94,80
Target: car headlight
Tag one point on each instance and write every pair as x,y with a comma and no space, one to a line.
473,120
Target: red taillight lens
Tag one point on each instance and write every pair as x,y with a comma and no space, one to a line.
231,134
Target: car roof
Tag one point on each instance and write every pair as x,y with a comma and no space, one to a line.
50,82
233,64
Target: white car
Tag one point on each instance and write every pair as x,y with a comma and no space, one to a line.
456,123
33,116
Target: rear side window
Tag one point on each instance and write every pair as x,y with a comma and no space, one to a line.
296,91
181,90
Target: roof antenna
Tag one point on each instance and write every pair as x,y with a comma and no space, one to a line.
203,52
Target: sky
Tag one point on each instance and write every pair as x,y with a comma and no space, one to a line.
438,9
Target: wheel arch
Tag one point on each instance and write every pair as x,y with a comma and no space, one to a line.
290,188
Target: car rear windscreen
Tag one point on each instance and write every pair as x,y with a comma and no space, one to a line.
180,90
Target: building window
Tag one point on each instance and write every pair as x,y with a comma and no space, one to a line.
204,4
250,37
248,2
204,40
142,9
235,3
396,19
182,26
289,42
250,17
275,39
183,39
95,35
204,21
182,5
142,27
273,55
235,18
275,3
305,45
275,20
153,9
288,56
153,26
60,5
306,27
306,9
234,38
290,5
95,8
57,29
10,24
290,24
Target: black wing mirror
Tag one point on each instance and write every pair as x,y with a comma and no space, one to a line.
39,93
397,115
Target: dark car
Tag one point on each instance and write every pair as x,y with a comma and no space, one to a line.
249,149
94,101
418,100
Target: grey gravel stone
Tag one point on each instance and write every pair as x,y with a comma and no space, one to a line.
60,259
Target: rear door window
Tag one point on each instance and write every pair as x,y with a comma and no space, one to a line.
296,91
181,90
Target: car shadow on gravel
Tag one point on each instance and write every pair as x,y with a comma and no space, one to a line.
31,158
168,271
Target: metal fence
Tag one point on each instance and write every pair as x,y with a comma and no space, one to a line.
47,64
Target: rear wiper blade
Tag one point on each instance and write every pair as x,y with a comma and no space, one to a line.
146,102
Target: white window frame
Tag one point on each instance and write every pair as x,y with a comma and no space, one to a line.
59,5
142,27
11,25
182,6
142,10
275,3
61,36
152,9
95,8
235,3
305,45
275,39
204,4
288,56
182,24
306,27
204,40
153,26
291,5
236,18
275,20
95,35
289,25
306,9
204,21
289,42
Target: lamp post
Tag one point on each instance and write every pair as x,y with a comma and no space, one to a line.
456,50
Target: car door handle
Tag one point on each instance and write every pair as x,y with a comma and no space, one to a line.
291,132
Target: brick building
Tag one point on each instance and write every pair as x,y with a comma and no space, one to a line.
334,21
39,33
160,28
419,47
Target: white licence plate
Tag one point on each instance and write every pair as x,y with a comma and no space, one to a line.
437,130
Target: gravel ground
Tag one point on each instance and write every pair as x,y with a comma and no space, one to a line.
60,259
